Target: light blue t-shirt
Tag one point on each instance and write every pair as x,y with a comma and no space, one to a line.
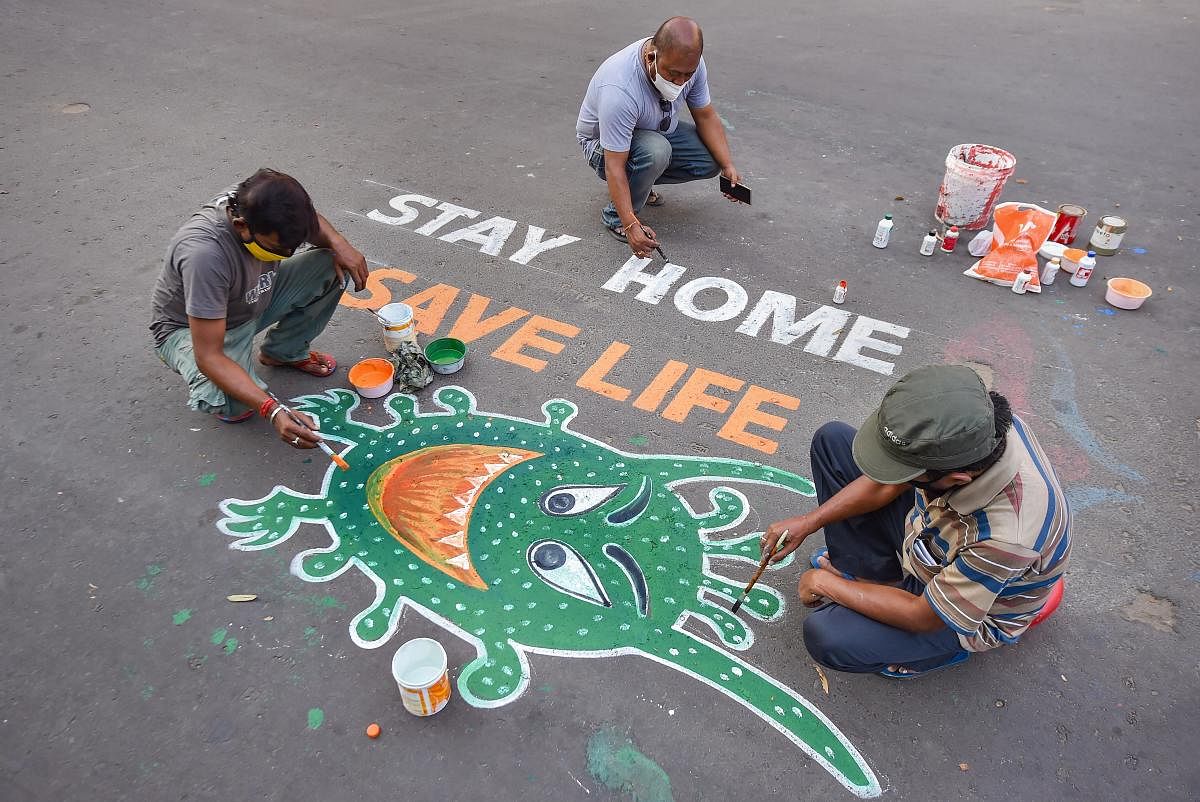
621,98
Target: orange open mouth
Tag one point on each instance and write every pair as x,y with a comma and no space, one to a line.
424,500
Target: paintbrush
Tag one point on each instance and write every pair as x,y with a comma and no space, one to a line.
321,444
656,247
762,566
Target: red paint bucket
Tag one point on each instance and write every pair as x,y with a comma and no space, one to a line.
1066,225
975,175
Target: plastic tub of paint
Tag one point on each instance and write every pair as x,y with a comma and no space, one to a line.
372,378
975,175
419,667
1070,259
1127,293
398,325
446,355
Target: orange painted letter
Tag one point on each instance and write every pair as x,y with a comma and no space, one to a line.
593,377
530,334
747,411
660,385
471,324
430,306
692,395
380,294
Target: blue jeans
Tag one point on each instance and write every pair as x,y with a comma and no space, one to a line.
656,158
866,546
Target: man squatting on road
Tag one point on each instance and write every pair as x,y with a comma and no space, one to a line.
231,271
946,529
631,134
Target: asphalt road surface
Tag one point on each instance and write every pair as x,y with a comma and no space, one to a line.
126,673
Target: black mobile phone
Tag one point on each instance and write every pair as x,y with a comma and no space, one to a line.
741,192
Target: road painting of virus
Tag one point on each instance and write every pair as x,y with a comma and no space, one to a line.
527,537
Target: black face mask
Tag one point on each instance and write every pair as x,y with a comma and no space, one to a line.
926,485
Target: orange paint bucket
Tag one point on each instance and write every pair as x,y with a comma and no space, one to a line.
372,378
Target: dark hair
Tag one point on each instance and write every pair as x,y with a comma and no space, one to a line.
1004,419
272,202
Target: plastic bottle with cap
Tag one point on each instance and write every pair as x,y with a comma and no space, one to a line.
1084,272
1050,271
950,240
1021,282
883,232
929,244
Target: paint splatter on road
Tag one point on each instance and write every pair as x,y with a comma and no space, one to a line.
181,617
639,440
146,582
617,764
204,480
218,636
231,645
316,717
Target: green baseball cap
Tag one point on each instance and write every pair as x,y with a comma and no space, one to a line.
938,417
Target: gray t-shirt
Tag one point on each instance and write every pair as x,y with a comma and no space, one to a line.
209,274
621,98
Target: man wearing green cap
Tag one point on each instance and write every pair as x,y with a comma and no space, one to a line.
945,525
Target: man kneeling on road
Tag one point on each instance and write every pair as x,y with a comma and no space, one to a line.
631,134
231,271
946,529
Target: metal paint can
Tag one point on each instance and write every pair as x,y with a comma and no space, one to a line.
1106,239
1066,225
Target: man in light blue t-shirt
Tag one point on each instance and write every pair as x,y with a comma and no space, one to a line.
631,134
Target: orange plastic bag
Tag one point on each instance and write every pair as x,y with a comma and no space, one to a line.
1020,229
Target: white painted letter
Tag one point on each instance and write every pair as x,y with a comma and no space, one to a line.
449,212
785,329
860,338
735,298
535,245
499,227
400,204
655,286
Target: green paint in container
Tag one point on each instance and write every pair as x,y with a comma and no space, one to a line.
446,355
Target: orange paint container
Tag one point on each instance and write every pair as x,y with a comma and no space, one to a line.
372,378
419,667
1127,293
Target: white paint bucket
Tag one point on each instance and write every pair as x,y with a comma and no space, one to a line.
398,325
419,667
975,175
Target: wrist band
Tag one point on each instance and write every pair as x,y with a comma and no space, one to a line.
265,407
625,230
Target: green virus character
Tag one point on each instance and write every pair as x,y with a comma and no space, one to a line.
524,536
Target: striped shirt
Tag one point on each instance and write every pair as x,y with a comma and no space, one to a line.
990,551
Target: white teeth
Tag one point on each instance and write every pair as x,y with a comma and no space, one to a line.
493,468
460,561
458,516
465,499
457,540
476,481
510,458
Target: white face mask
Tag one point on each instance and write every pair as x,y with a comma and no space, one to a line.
668,90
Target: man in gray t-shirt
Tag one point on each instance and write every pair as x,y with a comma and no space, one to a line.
231,271
631,134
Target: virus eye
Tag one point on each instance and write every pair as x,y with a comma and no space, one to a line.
576,499
565,570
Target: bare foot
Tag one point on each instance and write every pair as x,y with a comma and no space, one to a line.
823,563
897,669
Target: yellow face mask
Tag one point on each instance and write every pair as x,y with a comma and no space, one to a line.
262,254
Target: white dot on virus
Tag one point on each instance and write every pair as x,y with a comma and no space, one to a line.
736,670
829,751
674,652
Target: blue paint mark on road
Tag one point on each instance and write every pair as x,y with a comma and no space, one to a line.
1104,310
1062,398
1082,498
1139,251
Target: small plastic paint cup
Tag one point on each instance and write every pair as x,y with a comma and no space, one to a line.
1070,259
398,326
446,355
419,667
372,378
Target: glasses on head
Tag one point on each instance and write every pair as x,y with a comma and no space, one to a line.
665,107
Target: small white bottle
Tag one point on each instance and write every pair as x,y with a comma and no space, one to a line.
1050,271
1021,282
839,292
883,232
929,244
1084,272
